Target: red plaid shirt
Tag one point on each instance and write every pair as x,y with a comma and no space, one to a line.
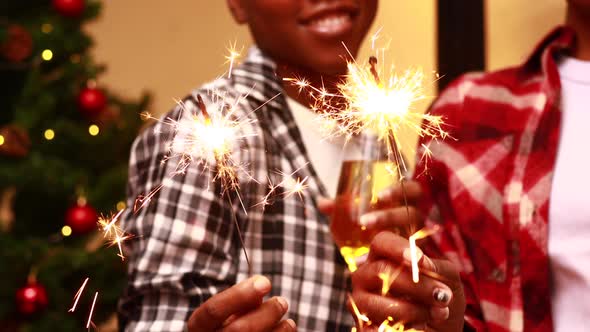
489,187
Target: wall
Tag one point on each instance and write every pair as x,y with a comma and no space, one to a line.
515,26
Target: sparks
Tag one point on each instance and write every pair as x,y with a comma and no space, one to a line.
361,318
290,184
78,295
373,99
421,234
91,311
388,277
115,234
233,55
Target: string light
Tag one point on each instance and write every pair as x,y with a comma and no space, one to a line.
47,55
49,134
93,130
66,231
121,205
46,28
1,139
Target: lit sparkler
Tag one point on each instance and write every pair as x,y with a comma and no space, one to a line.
115,234
414,254
377,100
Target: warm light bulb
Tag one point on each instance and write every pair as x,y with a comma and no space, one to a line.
47,28
93,130
47,55
1,139
66,230
49,134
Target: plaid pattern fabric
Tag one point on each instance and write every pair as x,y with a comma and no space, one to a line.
489,187
188,248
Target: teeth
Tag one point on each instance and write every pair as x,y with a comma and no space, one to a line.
331,22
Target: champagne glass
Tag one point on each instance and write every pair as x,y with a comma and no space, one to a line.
360,183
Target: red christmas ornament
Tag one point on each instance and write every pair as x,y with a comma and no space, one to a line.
19,44
31,298
91,101
82,218
69,8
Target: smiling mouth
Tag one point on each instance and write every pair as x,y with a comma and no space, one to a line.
331,24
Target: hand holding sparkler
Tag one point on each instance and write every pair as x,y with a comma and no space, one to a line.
241,308
384,290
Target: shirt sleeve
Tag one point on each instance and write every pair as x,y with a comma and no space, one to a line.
185,248
433,175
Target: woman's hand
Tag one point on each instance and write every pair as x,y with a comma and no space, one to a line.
383,287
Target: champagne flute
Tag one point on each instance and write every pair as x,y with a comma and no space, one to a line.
360,183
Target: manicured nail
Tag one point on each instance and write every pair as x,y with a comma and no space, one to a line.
441,295
283,303
291,323
262,284
383,195
439,314
368,219
361,259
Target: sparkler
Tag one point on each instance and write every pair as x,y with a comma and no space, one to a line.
115,234
423,233
291,185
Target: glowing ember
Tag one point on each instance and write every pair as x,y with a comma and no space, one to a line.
423,233
78,295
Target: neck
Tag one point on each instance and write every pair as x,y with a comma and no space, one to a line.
579,19
316,80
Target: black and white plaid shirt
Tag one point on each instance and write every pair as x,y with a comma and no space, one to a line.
188,248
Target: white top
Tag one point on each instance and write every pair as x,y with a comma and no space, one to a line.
326,154
569,211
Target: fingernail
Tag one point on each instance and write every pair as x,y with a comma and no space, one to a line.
283,303
441,295
407,254
439,314
368,219
384,194
291,323
361,259
262,284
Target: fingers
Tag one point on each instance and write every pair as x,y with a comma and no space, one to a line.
378,308
285,326
394,196
267,317
242,297
383,277
393,218
325,205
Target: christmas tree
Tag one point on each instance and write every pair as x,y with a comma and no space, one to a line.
64,146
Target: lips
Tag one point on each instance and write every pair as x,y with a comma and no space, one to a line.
331,21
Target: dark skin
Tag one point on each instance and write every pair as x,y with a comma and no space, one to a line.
305,38
578,17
